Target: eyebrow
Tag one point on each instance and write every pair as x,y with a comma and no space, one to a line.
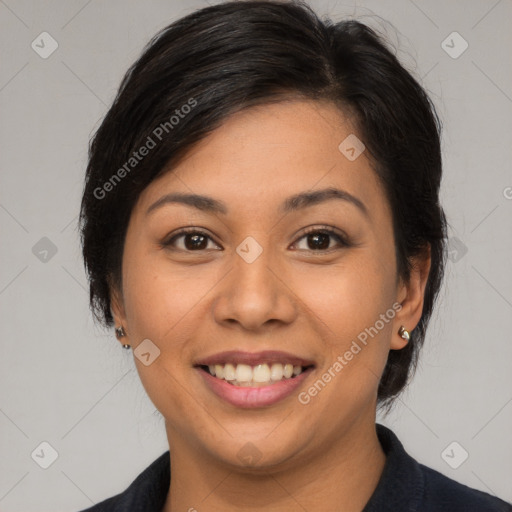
203,203
293,203
305,199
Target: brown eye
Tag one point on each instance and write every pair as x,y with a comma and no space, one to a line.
191,241
321,240
318,241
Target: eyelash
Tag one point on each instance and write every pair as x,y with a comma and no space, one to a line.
325,230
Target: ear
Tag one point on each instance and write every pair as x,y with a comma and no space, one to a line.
117,306
411,297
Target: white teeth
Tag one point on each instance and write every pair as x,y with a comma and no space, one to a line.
243,373
219,371
262,374
229,372
276,371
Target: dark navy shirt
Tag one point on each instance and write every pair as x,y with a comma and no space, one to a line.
404,486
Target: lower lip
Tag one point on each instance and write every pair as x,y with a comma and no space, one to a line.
253,397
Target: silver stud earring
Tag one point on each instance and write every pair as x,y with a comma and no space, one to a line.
404,333
120,333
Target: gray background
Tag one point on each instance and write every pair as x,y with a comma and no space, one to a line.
65,381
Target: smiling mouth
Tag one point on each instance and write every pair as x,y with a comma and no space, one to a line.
259,375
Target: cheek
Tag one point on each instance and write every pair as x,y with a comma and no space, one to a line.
352,302
159,297
359,285
162,306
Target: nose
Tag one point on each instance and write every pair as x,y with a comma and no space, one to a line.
255,296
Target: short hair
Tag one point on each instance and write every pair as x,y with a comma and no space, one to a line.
222,59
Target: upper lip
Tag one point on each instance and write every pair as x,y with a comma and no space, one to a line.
254,358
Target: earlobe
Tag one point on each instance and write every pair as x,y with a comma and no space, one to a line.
118,313
413,295
400,338
121,333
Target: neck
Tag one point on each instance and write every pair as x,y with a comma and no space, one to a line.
342,477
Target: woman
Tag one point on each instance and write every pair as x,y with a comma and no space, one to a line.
261,226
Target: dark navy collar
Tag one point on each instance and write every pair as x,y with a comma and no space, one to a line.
404,486
401,486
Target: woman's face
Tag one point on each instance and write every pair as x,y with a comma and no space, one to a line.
288,259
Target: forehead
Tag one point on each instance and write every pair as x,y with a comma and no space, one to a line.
263,154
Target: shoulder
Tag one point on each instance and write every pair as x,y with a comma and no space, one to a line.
443,493
407,485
